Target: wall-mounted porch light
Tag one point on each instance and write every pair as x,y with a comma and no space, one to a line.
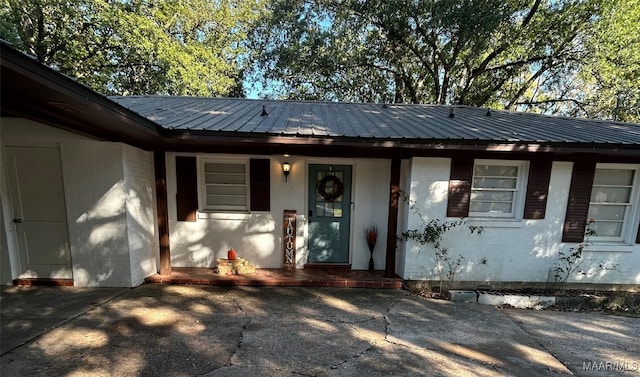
286,168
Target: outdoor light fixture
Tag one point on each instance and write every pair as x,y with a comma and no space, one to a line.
286,168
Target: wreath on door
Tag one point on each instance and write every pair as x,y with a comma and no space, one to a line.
330,188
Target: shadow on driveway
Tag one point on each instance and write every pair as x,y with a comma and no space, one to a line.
247,331
27,312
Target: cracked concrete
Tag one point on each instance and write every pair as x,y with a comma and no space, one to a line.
247,331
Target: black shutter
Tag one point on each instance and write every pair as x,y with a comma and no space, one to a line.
638,236
187,188
535,205
460,187
579,198
260,184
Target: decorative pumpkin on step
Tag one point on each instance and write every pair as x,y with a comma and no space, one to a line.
231,254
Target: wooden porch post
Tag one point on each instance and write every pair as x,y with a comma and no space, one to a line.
392,222
163,211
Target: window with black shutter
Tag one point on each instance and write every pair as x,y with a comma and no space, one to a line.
226,185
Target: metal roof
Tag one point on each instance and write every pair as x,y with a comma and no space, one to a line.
374,121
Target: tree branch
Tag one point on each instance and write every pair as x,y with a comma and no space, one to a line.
526,85
581,105
506,44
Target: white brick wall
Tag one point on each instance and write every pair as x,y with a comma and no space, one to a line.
141,213
521,250
426,185
403,216
110,198
96,210
371,206
110,189
258,236
255,236
110,202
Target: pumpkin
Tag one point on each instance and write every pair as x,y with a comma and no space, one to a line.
231,254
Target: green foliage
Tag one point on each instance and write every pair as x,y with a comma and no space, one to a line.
515,54
613,63
569,262
170,47
432,234
571,57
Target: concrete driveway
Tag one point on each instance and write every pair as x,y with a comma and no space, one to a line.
156,330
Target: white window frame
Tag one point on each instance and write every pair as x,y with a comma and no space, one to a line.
628,231
519,192
202,186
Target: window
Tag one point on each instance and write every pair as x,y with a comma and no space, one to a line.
611,204
496,189
209,184
224,185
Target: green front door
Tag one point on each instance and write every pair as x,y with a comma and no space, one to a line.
329,213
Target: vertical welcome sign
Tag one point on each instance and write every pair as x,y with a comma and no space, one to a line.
289,239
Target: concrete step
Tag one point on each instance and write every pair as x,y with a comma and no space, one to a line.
498,299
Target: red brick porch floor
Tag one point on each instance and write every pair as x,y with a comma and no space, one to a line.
268,277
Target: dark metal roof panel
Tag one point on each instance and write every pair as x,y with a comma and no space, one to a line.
374,121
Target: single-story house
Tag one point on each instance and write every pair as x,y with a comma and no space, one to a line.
107,191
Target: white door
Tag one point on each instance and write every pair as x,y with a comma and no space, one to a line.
39,215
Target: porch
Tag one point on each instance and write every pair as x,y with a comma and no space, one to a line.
273,277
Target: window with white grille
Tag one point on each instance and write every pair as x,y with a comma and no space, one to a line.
224,185
613,201
496,189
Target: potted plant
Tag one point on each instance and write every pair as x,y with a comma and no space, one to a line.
371,236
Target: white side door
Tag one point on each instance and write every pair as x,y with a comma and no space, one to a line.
39,214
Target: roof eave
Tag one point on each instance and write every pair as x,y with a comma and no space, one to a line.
34,91
234,142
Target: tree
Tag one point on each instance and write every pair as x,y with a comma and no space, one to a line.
515,54
613,63
137,46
